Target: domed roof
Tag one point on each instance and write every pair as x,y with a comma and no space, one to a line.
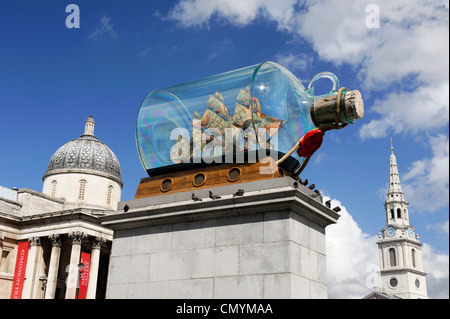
85,154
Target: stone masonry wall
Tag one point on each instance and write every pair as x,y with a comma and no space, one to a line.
262,255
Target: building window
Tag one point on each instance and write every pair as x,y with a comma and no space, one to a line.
392,213
417,282
53,193
109,195
393,282
82,190
392,257
399,213
413,257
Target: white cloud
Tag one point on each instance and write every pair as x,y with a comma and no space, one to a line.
294,61
436,265
440,228
425,109
239,13
336,30
105,28
412,38
426,184
351,254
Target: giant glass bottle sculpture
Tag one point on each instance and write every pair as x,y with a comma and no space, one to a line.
261,109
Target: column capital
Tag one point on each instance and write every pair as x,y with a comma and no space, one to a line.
77,237
97,242
34,241
56,240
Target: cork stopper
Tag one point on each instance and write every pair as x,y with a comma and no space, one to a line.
323,111
354,105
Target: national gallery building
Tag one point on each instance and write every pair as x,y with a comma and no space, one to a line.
52,244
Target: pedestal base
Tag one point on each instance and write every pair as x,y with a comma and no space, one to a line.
268,243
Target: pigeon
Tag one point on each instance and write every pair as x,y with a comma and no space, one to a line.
239,192
312,186
213,196
126,208
317,191
305,182
328,203
295,184
337,209
315,195
195,198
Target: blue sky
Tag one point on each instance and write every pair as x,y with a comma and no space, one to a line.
52,78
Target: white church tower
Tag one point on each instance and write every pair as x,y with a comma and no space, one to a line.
399,248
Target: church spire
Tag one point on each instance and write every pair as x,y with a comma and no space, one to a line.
394,179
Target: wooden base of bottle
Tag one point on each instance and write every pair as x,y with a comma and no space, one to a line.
207,177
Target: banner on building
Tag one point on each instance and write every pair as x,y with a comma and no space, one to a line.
19,272
84,276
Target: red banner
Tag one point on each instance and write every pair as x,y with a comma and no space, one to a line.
84,276
19,272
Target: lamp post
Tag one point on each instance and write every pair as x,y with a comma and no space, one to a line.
80,271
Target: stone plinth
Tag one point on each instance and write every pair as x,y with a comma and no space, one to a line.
268,243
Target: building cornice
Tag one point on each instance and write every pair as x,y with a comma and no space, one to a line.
404,270
56,218
398,240
283,196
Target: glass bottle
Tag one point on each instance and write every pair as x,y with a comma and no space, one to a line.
261,108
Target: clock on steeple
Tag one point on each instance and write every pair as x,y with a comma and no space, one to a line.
399,248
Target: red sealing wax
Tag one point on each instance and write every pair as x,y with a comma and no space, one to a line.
310,143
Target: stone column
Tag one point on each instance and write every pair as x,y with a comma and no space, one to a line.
73,276
30,272
53,267
93,273
400,261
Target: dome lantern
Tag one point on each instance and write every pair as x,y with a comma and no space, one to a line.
89,125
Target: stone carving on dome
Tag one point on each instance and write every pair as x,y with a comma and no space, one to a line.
85,153
99,159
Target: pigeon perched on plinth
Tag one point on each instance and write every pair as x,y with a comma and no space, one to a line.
213,196
239,192
195,198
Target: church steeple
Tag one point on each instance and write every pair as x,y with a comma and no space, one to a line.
396,205
399,247
394,179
